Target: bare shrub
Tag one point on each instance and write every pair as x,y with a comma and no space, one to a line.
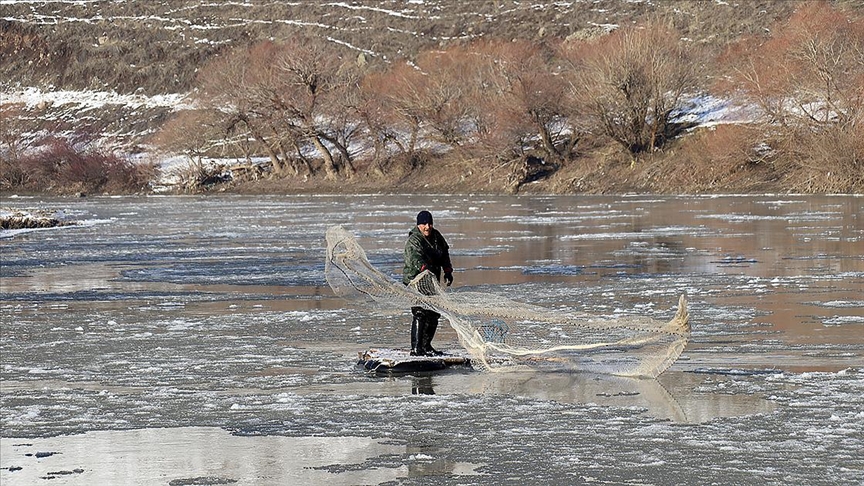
14,174
126,176
723,158
73,168
827,161
64,167
632,83
193,133
808,79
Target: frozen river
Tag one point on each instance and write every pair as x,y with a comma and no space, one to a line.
194,340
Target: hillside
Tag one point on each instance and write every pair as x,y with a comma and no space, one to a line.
116,72
157,47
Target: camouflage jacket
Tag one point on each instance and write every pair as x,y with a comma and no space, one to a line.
431,254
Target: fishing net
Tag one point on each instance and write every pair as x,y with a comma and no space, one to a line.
501,334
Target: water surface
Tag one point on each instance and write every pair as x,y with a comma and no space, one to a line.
193,340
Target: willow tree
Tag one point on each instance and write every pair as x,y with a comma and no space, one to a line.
519,86
633,84
290,97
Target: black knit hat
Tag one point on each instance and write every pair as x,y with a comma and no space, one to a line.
424,217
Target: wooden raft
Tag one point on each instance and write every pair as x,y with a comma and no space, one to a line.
400,361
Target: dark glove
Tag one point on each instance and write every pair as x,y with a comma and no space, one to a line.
448,277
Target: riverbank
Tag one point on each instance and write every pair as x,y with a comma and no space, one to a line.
605,172
686,168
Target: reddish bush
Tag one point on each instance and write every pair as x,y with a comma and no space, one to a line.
63,167
726,157
808,79
632,83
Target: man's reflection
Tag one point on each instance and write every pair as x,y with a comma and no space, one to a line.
422,385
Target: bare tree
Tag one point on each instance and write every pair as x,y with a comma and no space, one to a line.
312,98
235,86
632,83
394,107
286,96
520,87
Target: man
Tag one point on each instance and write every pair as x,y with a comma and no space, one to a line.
425,249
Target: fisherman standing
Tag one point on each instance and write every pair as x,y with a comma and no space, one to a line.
425,249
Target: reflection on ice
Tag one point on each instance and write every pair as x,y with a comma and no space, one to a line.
182,455
673,396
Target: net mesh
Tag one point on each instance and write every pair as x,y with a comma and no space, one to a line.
501,334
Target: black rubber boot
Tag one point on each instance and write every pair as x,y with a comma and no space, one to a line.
429,329
414,328
417,331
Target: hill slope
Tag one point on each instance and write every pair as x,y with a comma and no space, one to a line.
116,71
